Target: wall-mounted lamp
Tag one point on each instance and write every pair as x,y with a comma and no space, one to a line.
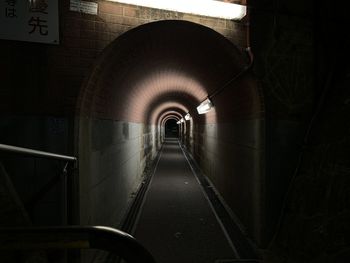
187,117
205,106
178,122
182,120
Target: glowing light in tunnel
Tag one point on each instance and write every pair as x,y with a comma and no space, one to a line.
187,117
204,7
182,120
178,122
205,106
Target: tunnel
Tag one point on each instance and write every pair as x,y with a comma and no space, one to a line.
132,90
102,133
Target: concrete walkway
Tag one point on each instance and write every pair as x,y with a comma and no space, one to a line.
176,223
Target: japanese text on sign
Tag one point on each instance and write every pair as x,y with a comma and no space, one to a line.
10,9
29,20
38,22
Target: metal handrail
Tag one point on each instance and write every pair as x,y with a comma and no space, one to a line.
68,180
75,237
36,153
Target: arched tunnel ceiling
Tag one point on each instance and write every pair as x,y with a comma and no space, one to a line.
158,63
169,114
169,117
160,107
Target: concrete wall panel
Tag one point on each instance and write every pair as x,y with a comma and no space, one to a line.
230,155
110,168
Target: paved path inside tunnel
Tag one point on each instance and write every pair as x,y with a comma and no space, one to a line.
177,223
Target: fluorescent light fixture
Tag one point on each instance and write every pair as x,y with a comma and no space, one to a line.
204,7
182,120
178,122
187,117
205,106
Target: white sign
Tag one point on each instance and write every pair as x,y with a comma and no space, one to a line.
29,20
83,7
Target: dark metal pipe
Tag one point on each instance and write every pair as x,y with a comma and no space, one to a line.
246,69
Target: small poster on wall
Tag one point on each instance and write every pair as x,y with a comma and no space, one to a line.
29,20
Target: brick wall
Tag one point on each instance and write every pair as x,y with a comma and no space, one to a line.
82,38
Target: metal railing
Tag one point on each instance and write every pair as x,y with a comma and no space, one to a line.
69,237
75,237
69,204
36,153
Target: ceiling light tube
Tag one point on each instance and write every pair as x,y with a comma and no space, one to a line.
204,7
187,117
205,106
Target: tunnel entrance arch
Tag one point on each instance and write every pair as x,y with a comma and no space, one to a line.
142,74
